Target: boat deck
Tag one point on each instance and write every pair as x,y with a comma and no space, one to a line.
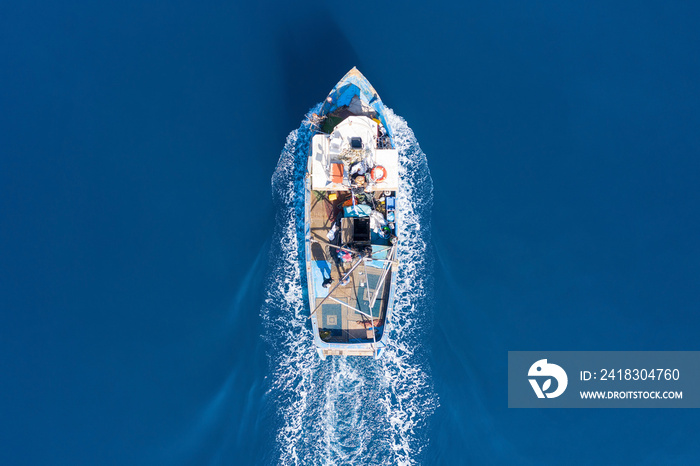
340,323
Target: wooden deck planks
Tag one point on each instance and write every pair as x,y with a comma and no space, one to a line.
353,323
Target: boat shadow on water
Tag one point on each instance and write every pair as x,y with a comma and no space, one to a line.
312,51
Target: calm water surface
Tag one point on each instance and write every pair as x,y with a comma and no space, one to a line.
149,314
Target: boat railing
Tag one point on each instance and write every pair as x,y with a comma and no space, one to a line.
351,336
384,142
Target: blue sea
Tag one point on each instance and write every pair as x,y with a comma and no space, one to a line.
151,301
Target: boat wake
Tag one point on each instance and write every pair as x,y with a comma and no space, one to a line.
349,410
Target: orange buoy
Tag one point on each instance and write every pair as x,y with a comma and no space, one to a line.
378,174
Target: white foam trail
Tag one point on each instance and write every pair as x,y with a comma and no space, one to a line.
350,410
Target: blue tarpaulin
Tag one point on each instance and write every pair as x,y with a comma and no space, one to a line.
358,211
355,84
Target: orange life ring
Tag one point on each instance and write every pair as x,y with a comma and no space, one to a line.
378,170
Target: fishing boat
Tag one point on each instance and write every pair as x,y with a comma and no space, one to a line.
351,221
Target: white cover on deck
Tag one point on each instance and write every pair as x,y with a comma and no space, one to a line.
321,157
356,127
389,159
326,149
